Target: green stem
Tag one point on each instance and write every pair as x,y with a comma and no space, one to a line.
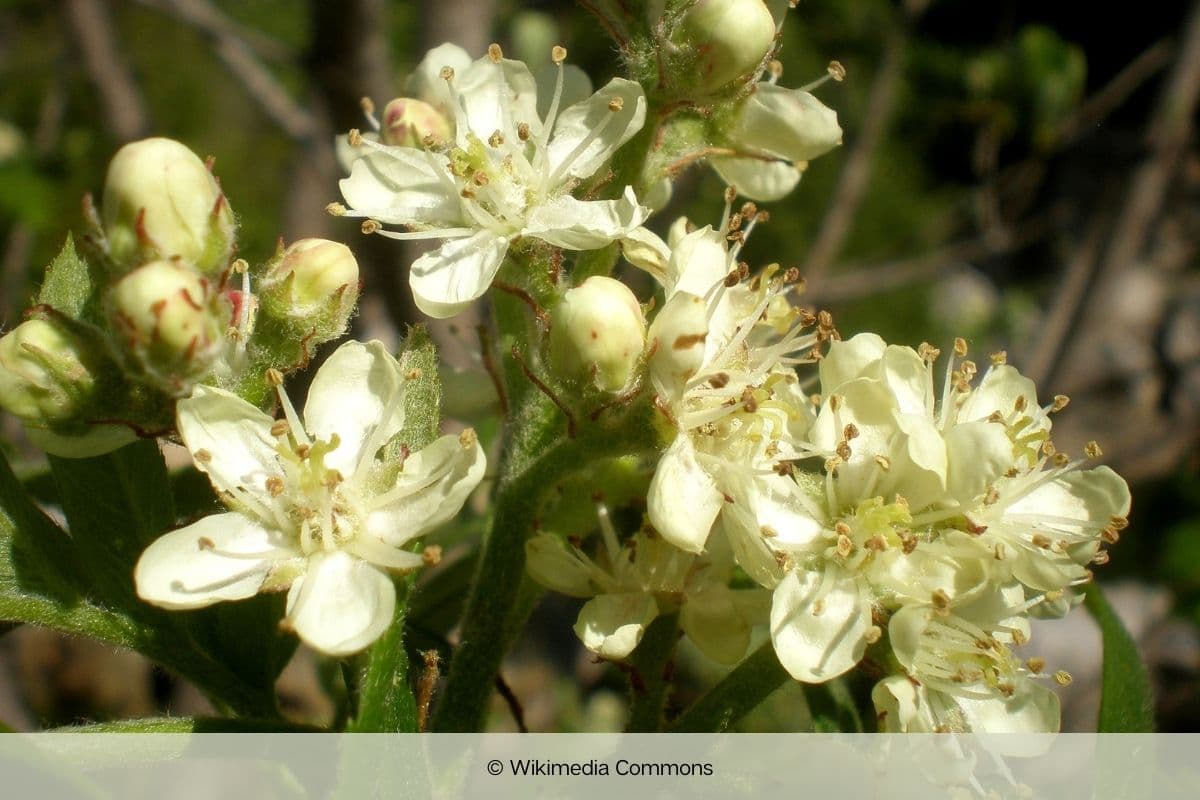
651,677
490,623
750,682
385,701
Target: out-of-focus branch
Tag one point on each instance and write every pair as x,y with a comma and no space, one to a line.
91,29
209,20
467,23
238,57
856,174
1167,135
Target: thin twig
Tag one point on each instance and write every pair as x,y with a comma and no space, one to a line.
92,29
489,364
213,23
524,297
514,705
238,57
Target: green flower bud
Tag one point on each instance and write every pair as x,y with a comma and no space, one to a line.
47,373
407,123
161,201
171,321
729,37
598,333
312,286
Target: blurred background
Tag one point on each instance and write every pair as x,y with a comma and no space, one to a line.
1021,174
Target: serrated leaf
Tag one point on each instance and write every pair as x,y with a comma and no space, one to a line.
70,283
1126,704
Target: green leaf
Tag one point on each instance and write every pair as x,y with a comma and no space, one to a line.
385,700
191,725
70,283
750,682
1126,704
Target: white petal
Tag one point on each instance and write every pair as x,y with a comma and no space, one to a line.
341,604
756,178
901,706
611,625
909,380
1032,709
644,249
779,504
713,621
447,280
577,86
585,224
676,338
239,450
550,563
918,462
870,407
579,122
977,454
699,261
789,123
816,647
358,394
856,357
401,186
905,629
999,391
740,533
426,83
683,501
222,557
497,96
435,483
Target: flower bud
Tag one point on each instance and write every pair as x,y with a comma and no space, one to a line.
598,333
313,285
407,123
729,37
170,320
161,201
788,123
47,373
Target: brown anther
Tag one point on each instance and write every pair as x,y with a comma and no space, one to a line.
743,270
274,377
1011,472
719,381
1036,664
558,54
1040,540
495,140
354,137
205,543
784,468
998,552
791,275
202,455
993,494
843,450
367,105
1101,558
940,601
1110,535
274,486
468,438
825,319
832,464
481,179
735,222
730,194
749,401
467,193
303,451
240,266
908,542
841,528
783,561
429,141
884,462
850,432
432,555
1092,449
878,543
1119,523
1048,449
1063,678
495,53
732,279
616,104
1019,403
818,607
447,73
960,347
1061,459
844,546
1053,596
995,416
928,352
748,210
279,427
332,478
775,67
335,210
998,358
835,402
370,226
836,71
1060,402
523,131
1019,638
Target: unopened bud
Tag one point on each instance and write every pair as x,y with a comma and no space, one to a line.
598,332
729,37
166,314
788,123
161,201
312,286
47,373
410,123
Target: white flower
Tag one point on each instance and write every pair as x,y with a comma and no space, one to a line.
312,505
962,675
630,586
722,355
508,174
